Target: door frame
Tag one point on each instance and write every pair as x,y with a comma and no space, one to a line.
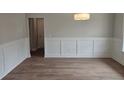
28,32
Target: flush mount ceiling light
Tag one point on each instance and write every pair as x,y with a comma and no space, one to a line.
82,16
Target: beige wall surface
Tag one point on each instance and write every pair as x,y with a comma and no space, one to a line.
64,25
12,27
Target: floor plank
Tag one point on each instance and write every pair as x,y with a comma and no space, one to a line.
38,68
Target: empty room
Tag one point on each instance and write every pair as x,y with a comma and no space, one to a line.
62,46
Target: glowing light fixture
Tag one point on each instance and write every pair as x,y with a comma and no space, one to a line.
82,16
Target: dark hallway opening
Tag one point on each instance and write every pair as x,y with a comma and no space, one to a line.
36,30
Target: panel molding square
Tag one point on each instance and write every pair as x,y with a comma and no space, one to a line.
68,48
52,48
85,48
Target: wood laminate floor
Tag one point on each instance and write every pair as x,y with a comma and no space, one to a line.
38,68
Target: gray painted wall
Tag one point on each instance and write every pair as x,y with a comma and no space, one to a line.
118,26
118,53
63,25
14,42
12,27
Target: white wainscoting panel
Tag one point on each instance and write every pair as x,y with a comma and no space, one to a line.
21,50
52,48
78,47
68,48
85,48
13,54
102,48
117,53
26,48
1,62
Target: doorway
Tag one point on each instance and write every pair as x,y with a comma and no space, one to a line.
36,34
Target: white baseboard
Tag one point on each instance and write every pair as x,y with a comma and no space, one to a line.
118,60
